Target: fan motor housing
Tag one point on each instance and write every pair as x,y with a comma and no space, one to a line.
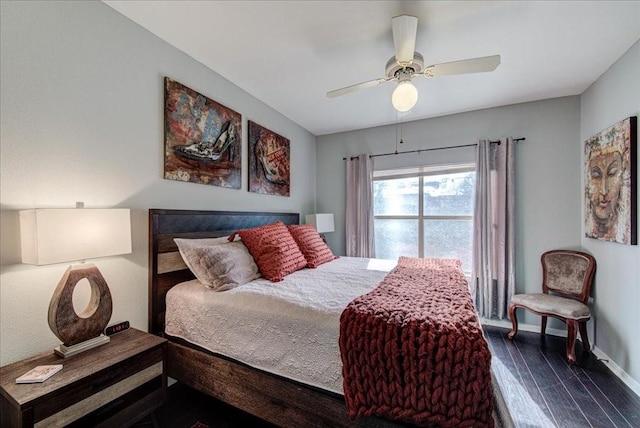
393,68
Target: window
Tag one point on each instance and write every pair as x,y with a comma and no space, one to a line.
425,212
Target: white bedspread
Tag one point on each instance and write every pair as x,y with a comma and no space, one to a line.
289,328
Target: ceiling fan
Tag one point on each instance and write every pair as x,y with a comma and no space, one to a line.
406,63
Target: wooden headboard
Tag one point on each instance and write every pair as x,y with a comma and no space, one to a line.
166,267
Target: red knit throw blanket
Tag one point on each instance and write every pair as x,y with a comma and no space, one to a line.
413,349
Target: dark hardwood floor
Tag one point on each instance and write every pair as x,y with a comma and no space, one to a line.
538,386
542,390
188,408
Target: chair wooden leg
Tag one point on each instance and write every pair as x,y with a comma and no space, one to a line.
514,321
572,326
586,347
543,327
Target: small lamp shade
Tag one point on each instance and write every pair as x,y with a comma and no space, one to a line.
62,235
322,222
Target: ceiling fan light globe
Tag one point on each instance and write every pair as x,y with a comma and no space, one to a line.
404,96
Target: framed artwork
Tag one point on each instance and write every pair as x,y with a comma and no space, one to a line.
269,161
610,183
202,138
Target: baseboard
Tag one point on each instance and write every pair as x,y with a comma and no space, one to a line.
606,360
524,327
617,370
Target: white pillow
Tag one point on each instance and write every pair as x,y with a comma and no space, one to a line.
186,244
220,265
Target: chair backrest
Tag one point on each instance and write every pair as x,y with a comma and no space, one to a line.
568,272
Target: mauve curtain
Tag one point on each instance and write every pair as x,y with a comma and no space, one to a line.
493,273
359,215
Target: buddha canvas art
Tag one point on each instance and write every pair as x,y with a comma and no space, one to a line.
610,180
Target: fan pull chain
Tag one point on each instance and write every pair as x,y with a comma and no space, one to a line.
401,142
396,140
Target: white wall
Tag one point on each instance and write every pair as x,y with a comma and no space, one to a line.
82,120
613,97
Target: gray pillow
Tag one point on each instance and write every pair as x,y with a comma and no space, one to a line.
218,264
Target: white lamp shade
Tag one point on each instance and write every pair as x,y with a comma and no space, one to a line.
404,96
61,235
322,222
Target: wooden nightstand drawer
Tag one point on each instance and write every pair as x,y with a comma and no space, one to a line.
101,398
113,384
91,388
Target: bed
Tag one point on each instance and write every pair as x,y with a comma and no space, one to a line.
260,388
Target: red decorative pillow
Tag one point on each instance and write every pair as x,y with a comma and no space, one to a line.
315,250
274,250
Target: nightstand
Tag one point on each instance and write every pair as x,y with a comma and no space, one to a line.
112,385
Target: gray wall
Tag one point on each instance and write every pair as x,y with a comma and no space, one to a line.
547,165
613,97
82,120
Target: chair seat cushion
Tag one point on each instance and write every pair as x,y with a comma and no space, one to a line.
553,305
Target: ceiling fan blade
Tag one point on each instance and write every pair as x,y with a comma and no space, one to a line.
353,88
474,65
404,37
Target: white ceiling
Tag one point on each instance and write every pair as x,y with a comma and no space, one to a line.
289,54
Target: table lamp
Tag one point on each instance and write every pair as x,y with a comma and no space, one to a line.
322,222
51,236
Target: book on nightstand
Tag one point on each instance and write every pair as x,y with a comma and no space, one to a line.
39,374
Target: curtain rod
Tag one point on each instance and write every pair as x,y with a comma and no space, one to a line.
433,148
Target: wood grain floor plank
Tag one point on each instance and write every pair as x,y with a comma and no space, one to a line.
549,381
625,402
587,394
601,400
571,378
528,407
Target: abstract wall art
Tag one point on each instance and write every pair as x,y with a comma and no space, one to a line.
202,138
269,161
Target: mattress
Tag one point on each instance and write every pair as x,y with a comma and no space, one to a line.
289,328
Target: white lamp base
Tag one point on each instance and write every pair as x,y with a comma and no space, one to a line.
68,351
